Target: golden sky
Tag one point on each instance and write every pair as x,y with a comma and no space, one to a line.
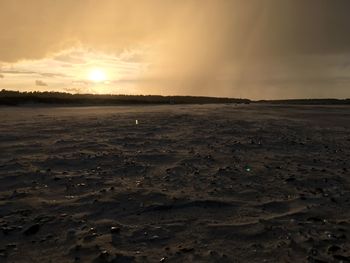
259,49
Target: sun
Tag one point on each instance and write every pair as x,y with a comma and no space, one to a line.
97,75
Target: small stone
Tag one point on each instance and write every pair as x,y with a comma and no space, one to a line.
77,247
6,230
32,230
314,252
187,249
290,179
115,230
90,237
103,257
342,258
11,246
333,248
155,237
71,233
213,253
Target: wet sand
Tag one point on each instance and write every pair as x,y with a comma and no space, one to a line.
189,183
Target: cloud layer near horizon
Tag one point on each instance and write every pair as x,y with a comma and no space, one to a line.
270,48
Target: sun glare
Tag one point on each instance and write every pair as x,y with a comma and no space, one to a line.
97,75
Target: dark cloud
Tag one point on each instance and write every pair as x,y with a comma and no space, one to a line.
193,43
300,27
33,29
70,59
51,75
16,72
1,76
26,72
40,83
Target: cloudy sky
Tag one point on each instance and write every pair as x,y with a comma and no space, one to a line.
258,49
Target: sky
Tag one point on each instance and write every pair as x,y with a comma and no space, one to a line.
257,49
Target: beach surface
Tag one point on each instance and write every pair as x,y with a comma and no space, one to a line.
175,183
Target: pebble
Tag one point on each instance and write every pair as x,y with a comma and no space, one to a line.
115,230
187,249
32,230
333,248
155,237
11,246
7,230
71,233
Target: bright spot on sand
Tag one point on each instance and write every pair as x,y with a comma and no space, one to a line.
97,75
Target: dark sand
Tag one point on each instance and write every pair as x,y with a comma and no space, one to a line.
217,183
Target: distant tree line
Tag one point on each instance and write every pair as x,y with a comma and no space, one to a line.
8,97
308,101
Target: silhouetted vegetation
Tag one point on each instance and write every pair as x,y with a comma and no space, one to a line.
308,101
8,97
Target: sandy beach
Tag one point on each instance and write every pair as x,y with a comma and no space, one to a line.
188,183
